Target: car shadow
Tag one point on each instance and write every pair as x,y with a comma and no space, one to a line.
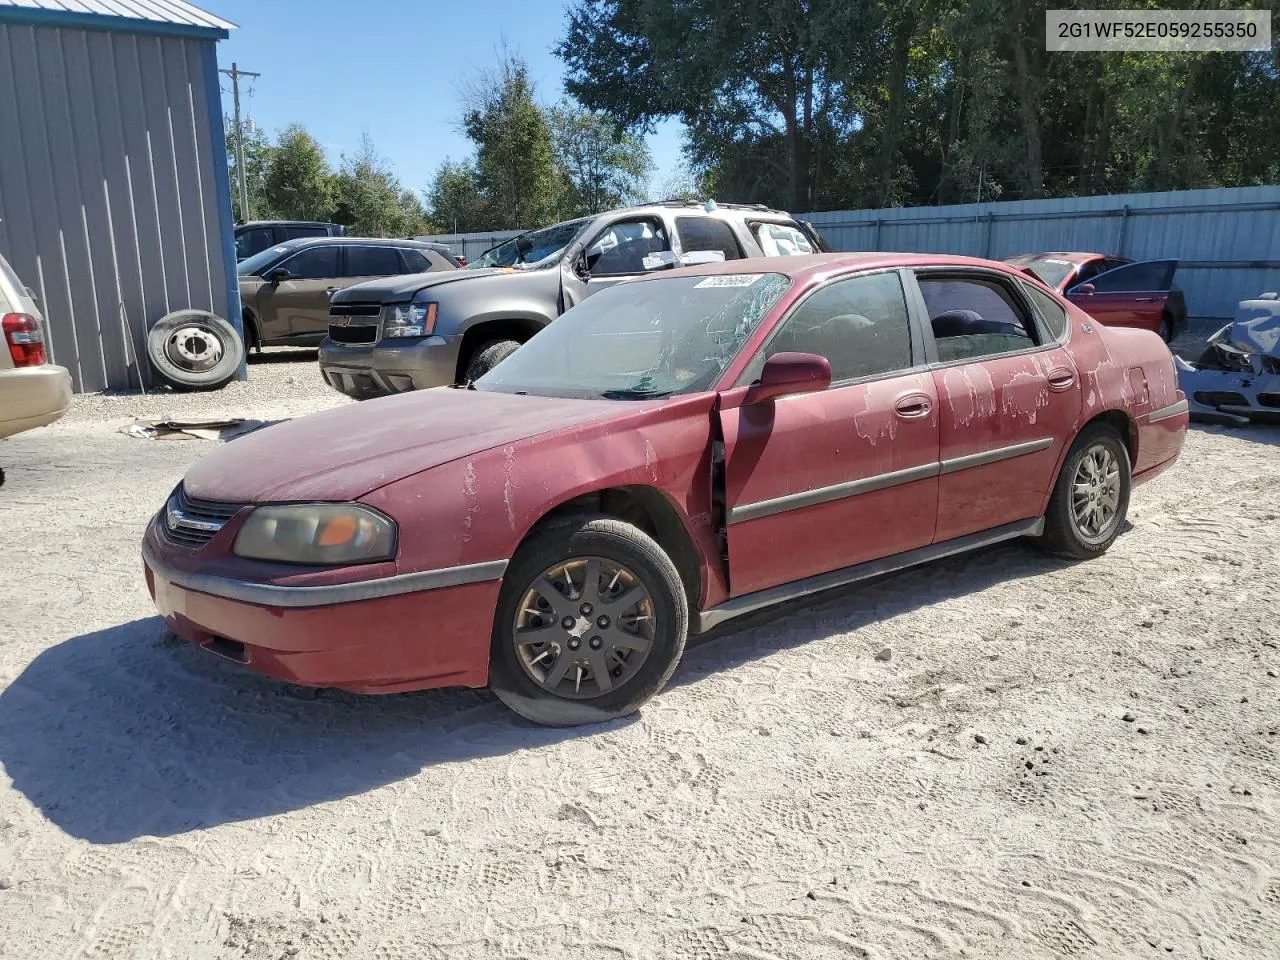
283,355
128,732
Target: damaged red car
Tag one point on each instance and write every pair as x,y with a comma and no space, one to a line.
673,452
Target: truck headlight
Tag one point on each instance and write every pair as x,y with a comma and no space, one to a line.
409,319
320,534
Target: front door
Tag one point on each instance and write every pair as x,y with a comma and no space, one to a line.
816,482
1130,296
627,248
1010,397
299,306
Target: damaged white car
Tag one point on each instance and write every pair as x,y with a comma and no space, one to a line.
1237,378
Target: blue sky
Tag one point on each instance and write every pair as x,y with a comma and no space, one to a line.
393,68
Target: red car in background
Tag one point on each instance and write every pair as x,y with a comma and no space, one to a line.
1113,290
673,452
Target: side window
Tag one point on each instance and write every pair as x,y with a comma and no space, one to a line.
1149,277
253,241
974,318
1051,311
860,325
291,232
706,233
315,263
1087,273
782,240
372,261
622,248
414,260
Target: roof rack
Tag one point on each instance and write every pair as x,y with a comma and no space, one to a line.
691,202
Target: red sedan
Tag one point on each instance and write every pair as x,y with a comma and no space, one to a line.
671,453
1113,290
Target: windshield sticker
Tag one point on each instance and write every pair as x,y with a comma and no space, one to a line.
730,280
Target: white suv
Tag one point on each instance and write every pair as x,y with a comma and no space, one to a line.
33,392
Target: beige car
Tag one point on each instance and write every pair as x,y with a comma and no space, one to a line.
32,391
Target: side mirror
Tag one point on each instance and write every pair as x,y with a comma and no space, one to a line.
278,275
1084,290
787,373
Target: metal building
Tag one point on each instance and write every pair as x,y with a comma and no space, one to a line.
115,206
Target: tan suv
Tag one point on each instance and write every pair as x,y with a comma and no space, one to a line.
32,391
285,289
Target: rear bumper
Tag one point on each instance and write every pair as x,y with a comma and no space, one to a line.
388,644
377,369
32,397
1161,435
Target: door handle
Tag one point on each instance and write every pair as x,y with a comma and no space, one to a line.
1060,380
914,407
1144,299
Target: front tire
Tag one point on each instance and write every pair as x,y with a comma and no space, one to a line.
591,622
1167,332
487,356
1091,498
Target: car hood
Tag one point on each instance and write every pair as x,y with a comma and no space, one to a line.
345,453
398,289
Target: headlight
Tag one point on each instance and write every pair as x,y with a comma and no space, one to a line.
322,534
409,320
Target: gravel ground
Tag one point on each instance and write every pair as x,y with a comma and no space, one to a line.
1054,760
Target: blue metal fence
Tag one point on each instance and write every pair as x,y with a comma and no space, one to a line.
1227,241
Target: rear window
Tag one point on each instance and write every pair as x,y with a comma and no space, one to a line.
782,240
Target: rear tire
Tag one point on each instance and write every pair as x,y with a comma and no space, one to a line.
487,356
195,350
553,625
1091,497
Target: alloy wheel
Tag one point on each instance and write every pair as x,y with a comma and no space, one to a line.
584,627
1095,493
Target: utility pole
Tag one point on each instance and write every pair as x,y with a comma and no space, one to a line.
235,73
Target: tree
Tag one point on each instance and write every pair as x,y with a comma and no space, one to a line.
369,200
258,154
604,166
515,162
298,184
455,200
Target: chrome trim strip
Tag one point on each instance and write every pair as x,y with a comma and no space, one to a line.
1172,410
751,602
270,595
985,457
838,491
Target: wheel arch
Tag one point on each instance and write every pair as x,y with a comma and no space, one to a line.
1120,422
252,334
518,328
646,508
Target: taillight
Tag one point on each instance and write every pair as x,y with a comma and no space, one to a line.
26,342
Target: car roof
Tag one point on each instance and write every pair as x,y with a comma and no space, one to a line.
1076,258
284,223
818,266
298,243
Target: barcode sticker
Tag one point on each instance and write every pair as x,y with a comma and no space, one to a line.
729,280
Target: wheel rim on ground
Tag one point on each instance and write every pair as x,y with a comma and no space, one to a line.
584,627
194,348
1095,494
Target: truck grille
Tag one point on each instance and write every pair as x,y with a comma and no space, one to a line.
354,322
364,333
193,523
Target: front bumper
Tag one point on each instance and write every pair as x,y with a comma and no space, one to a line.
32,397
1230,396
386,635
389,366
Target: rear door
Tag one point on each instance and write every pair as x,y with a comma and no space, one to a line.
1133,295
819,481
1009,395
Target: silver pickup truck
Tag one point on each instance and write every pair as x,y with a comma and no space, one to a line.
433,329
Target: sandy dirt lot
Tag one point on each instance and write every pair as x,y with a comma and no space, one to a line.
1057,760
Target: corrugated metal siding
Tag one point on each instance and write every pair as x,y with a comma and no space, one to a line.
109,207
175,12
471,245
1227,241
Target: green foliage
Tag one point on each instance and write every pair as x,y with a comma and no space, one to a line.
603,166
298,184
456,201
370,202
258,154
814,104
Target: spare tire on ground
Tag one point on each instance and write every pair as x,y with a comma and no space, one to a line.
195,350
